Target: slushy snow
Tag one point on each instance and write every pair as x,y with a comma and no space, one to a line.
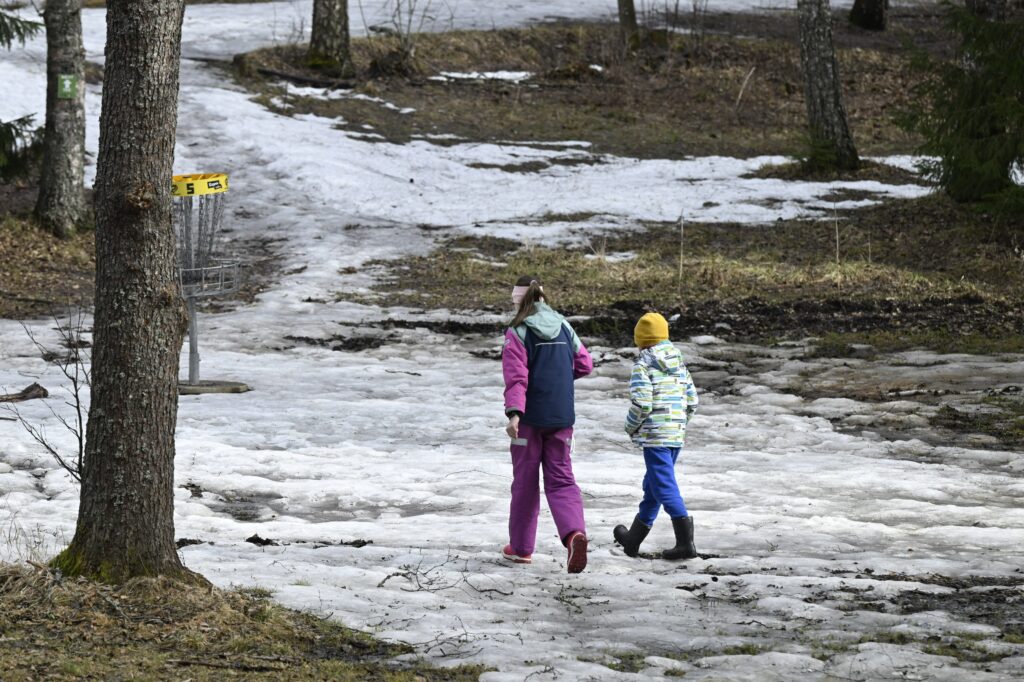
801,506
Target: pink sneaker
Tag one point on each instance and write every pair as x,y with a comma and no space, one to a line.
510,554
577,560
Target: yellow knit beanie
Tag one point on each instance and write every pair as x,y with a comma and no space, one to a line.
651,329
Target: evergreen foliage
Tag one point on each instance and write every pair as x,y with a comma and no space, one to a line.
971,111
18,138
14,29
20,143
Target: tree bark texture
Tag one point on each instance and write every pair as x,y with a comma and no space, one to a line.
872,15
829,128
126,514
329,43
627,21
61,201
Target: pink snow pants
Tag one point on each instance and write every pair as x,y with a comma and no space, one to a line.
546,449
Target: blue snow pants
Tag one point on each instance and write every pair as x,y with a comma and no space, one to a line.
660,487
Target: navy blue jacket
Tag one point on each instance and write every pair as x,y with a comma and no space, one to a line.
540,360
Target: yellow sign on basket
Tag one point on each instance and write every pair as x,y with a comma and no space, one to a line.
199,185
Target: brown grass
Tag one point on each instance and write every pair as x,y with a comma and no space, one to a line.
156,629
40,273
910,250
663,102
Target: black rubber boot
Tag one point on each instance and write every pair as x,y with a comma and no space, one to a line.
684,549
631,539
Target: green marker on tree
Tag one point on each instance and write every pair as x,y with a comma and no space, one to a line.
67,86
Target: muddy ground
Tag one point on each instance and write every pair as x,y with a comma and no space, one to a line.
923,270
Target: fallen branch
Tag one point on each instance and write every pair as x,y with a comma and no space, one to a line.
32,392
307,80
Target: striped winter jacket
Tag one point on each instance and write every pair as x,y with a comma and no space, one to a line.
663,398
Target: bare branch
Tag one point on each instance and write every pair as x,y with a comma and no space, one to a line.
73,366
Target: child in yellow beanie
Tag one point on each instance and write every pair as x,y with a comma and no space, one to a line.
663,398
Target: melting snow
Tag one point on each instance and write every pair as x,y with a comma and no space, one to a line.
402,444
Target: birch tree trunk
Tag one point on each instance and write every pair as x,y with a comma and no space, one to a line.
831,141
627,22
126,514
872,15
61,201
329,42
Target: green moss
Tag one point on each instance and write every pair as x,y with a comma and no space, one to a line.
900,638
257,593
965,651
628,662
330,67
68,562
825,650
1001,416
747,649
843,345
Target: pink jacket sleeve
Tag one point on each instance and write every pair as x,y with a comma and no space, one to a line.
582,363
517,374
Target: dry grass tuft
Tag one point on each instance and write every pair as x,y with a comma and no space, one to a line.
906,250
910,265
155,628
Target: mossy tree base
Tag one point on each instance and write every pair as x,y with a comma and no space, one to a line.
73,563
329,67
164,629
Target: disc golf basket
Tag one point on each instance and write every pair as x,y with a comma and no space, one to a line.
198,218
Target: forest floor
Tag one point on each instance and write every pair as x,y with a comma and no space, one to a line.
856,494
54,628
922,268
724,84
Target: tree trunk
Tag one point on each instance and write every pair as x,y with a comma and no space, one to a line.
627,22
329,43
993,10
872,15
61,199
126,514
831,141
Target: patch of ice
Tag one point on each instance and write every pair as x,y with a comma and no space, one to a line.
314,92
511,76
902,161
706,340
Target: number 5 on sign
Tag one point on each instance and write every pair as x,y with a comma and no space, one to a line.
67,86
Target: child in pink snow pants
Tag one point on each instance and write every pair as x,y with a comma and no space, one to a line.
541,358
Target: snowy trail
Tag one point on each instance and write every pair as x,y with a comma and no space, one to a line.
402,445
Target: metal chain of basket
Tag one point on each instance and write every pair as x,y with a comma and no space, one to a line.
203,272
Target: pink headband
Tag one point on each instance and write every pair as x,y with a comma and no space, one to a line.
519,292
